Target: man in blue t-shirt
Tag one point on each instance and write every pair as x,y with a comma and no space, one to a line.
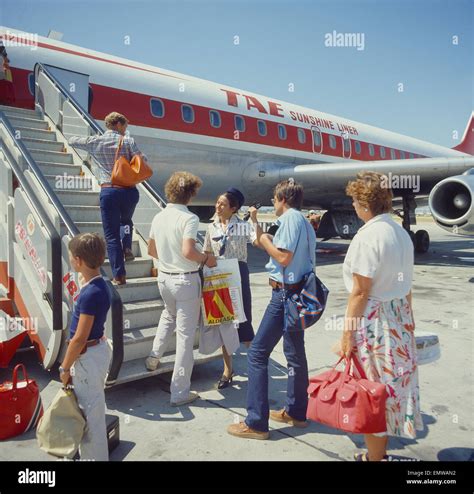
88,354
292,255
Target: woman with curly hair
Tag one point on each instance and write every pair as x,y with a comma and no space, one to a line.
379,325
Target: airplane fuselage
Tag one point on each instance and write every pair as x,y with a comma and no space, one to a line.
229,137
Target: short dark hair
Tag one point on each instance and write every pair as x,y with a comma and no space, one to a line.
90,247
291,191
233,201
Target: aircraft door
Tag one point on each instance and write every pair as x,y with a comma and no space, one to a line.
75,83
346,145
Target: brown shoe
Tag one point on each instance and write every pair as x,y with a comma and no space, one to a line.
243,430
282,416
121,280
128,255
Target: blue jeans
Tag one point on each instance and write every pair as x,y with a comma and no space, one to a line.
268,335
117,206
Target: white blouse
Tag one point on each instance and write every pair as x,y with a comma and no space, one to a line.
235,238
381,250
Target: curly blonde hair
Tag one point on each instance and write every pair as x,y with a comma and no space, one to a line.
371,192
181,187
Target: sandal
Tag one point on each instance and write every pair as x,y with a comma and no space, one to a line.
224,381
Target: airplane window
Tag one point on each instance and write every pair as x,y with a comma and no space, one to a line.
281,132
332,142
410,155
262,128
371,150
157,108
31,83
215,118
301,136
316,138
239,123
393,155
347,145
357,147
187,113
402,155
382,152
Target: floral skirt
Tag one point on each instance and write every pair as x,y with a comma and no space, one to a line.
387,350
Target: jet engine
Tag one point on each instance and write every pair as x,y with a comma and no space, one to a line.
452,203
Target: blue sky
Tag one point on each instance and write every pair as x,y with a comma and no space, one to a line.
282,42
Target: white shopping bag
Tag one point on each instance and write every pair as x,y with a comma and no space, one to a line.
222,294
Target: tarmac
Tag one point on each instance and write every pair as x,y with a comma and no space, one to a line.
150,429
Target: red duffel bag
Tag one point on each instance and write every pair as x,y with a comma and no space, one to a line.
341,400
20,405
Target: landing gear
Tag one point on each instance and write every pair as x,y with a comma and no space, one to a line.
420,239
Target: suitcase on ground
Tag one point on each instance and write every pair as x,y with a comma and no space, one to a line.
113,431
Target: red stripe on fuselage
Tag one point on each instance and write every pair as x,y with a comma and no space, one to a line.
136,106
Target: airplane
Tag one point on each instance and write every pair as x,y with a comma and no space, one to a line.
233,137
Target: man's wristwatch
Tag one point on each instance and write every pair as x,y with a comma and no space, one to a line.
62,370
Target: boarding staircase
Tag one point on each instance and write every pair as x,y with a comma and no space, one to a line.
49,193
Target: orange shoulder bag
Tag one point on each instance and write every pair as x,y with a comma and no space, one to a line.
129,173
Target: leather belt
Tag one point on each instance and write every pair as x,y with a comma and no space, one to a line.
277,285
107,186
89,344
175,274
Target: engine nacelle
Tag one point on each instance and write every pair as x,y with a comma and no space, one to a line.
452,203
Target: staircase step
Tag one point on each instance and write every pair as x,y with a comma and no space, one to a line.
139,289
32,143
26,122
138,343
86,227
139,268
68,183
45,135
61,169
24,112
84,213
78,198
51,156
141,313
135,369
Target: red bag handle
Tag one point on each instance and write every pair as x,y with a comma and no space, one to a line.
358,366
356,362
15,374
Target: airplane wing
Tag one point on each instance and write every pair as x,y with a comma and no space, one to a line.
328,180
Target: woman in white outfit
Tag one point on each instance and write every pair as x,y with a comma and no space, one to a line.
379,325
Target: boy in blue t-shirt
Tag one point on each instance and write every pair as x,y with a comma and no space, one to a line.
88,354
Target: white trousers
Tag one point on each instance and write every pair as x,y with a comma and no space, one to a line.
182,297
88,377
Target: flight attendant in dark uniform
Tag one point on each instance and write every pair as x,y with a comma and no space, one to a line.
227,238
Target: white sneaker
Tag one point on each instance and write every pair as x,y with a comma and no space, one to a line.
193,396
152,363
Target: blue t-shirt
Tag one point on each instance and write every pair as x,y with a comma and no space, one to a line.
93,300
291,235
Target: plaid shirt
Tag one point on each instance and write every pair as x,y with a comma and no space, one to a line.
103,148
